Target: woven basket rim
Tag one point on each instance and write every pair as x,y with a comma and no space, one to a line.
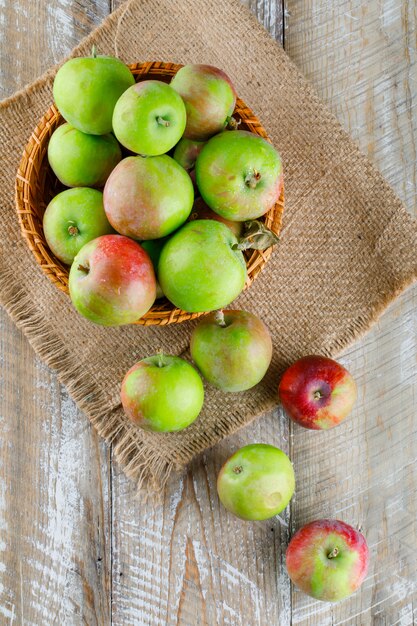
33,168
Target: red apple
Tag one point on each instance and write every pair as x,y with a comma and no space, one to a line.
112,281
317,392
327,559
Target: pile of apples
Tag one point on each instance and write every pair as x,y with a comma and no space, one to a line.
165,157
154,163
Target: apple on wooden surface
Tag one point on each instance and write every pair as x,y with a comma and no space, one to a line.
162,393
256,482
86,90
317,392
327,559
209,97
148,198
239,175
81,160
112,281
199,270
149,118
73,218
232,349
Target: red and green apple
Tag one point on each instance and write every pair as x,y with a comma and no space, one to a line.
327,559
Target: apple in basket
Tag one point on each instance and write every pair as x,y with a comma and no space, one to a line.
209,97
232,349
239,175
112,281
256,482
327,559
148,197
186,152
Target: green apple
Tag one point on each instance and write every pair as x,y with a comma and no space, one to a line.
186,152
149,118
86,90
256,482
199,270
81,160
154,248
148,197
232,349
162,393
239,175
72,219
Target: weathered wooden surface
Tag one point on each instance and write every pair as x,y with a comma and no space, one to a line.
76,547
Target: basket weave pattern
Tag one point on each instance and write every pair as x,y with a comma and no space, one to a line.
36,185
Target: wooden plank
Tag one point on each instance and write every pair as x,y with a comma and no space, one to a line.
54,489
359,56
270,13
187,561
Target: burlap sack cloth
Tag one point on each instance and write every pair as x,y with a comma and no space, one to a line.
348,246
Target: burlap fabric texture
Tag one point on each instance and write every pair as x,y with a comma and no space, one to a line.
348,246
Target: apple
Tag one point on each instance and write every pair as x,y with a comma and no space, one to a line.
317,392
186,152
232,349
154,248
81,160
199,270
149,118
201,211
72,219
209,97
112,281
162,393
148,198
256,482
239,175
86,90
327,559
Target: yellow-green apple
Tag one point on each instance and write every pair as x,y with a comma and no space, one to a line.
72,219
199,270
154,248
201,211
209,97
149,118
81,160
256,482
232,349
112,281
186,152
327,559
317,392
162,393
239,175
86,90
148,198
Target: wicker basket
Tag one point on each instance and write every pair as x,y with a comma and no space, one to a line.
36,185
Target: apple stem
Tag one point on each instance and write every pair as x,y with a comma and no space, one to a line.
238,469
83,268
333,553
94,51
161,360
252,179
219,317
162,122
72,230
233,123
317,395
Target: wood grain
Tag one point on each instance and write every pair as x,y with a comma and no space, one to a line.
76,546
55,539
361,58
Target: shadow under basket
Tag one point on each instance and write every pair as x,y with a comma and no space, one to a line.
36,185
